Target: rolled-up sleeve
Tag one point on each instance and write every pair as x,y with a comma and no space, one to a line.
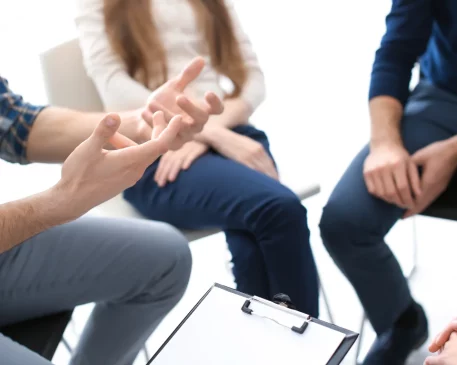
16,120
408,30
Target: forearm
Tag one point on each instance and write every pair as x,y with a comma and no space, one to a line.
236,112
386,114
22,219
56,132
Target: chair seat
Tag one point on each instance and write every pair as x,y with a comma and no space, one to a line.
40,335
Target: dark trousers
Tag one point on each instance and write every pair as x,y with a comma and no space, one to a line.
264,222
354,223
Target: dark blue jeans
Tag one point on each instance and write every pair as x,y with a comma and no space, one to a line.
354,223
264,222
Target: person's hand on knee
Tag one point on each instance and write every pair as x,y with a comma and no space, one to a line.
443,336
438,162
391,175
173,162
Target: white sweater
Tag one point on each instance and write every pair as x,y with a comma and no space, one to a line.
182,42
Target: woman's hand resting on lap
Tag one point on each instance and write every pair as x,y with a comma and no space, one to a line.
245,151
173,162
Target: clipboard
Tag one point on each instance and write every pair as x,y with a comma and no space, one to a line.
227,327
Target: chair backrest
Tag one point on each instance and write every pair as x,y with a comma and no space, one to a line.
66,81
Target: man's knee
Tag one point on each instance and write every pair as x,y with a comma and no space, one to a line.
162,261
333,225
345,228
177,257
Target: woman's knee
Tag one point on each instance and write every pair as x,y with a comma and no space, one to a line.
280,210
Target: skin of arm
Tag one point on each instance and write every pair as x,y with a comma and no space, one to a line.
22,219
408,29
57,132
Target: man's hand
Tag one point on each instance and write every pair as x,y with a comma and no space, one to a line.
448,356
443,337
244,150
390,174
438,161
92,175
170,99
173,162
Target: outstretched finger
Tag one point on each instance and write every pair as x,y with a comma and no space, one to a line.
151,150
190,73
443,337
197,114
214,103
154,106
158,124
104,131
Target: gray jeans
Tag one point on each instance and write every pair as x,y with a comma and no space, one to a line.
134,270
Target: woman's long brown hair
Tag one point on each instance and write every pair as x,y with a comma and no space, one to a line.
133,35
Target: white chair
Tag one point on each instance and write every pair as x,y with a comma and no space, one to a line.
67,85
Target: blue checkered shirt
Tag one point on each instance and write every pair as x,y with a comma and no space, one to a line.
16,119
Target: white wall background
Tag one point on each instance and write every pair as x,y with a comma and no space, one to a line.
317,58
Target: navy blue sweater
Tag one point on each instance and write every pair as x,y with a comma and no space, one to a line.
417,29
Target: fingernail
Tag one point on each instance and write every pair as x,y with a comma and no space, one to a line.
110,122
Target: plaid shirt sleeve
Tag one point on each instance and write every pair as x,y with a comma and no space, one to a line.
16,120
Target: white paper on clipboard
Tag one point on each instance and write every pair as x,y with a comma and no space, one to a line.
218,332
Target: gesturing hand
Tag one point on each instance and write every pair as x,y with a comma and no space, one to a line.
92,175
443,337
438,166
170,99
173,162
391,175
448,354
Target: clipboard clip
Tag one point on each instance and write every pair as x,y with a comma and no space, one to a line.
300,330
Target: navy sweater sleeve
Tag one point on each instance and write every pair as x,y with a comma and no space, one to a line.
408,30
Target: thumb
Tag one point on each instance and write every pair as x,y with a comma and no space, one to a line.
105,130
158,124
420,157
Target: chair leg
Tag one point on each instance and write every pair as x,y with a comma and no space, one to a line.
67,345
359,344
146,353
415,248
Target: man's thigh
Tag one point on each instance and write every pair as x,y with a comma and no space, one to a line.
11,353
88,260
